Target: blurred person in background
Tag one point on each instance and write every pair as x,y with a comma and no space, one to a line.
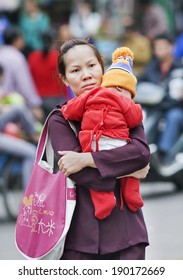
159,72
4,22
178,48
18,133
18,136
17,147
33,21
138,43
16,119
64,33
84,23
154,19
44,70
17,75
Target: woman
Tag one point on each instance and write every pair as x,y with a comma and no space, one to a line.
123,234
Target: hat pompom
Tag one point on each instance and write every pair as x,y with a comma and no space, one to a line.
122,52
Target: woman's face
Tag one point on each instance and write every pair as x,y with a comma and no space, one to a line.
83,70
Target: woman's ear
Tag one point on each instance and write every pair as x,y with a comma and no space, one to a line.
63,79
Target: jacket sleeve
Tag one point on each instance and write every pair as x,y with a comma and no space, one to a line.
132,112
74,108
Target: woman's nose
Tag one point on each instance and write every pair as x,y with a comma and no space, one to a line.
86,74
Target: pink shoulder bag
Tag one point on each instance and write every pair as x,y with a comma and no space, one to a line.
47,207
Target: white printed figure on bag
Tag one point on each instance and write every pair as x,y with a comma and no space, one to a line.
25,218
39,199
34,205
46,228
34,221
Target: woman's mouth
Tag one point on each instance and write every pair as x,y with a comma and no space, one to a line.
88,87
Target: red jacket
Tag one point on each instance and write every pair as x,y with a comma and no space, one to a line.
103,112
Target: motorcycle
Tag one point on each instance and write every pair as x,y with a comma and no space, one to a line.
151,96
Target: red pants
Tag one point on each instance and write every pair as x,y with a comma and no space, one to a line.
104,202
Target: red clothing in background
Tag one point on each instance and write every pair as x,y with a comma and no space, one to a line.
44,71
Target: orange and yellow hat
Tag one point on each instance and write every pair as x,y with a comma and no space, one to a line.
120,72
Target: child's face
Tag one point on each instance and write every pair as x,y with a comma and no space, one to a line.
121,91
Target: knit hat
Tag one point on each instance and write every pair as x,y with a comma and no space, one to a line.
120,72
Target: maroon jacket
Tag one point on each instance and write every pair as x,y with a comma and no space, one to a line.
121,229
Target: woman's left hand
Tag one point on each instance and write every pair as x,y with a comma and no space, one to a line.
140,174
72,162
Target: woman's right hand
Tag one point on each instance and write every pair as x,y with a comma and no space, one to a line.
72,162
140,174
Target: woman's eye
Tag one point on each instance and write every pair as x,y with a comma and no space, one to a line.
75,71
92,65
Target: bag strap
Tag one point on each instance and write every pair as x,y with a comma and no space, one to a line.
44,143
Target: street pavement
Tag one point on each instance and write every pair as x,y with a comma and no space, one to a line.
163,211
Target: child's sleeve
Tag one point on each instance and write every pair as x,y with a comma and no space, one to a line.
74,108
132,112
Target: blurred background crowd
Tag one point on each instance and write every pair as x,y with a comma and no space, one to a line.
40,26
31,32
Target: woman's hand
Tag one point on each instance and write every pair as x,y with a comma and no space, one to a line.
140,174
72,162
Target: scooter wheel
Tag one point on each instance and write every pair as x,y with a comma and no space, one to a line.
178,184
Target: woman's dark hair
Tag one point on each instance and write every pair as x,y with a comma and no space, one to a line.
164,36
11,34
69,45
47,40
